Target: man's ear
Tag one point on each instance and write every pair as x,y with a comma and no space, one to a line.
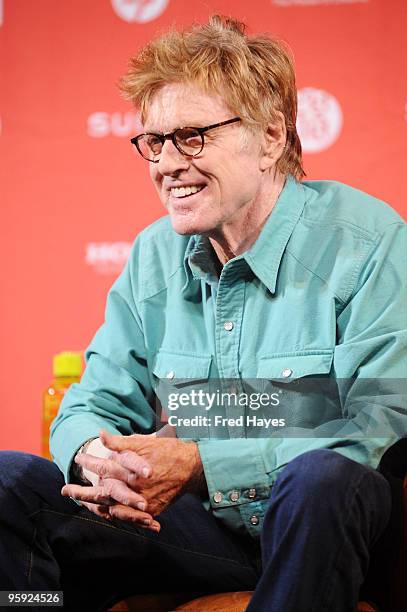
274,139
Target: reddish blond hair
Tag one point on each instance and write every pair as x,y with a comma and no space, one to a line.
253,74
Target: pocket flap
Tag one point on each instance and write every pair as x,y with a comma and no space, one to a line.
181,368
291,366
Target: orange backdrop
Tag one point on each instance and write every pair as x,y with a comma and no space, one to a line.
74,195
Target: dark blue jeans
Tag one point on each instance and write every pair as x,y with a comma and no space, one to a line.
324,515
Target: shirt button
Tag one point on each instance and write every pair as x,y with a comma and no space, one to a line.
252,493
217,498
228,325
234,496
171,374
286,372
254,520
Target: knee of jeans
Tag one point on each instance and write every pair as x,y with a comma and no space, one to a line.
15,467
320,472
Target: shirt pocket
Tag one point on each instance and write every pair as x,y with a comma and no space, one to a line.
181,369
292,366
308,393
181,381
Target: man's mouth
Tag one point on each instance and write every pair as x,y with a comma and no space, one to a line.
187,190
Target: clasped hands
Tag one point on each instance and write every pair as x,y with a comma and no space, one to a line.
140,477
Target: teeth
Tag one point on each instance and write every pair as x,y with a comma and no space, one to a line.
181,192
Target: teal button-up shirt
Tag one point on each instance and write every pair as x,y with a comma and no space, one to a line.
322,292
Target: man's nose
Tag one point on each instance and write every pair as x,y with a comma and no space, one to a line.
171,160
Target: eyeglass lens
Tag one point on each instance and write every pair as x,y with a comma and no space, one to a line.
187,140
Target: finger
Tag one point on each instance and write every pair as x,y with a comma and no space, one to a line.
108,492
126,443
98,509
119,443
96,494
135,464
141,519
104,468
121,493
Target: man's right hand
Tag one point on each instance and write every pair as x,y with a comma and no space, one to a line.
111,485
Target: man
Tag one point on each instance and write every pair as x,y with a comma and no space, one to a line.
253,276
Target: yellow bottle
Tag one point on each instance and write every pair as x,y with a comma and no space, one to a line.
67,369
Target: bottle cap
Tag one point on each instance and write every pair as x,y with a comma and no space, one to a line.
68,363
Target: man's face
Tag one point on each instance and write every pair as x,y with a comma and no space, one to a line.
226,172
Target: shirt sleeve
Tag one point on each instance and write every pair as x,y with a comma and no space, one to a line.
115,392
370,363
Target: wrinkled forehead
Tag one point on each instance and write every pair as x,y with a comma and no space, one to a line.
183,104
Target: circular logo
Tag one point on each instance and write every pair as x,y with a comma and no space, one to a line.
140,11
319,119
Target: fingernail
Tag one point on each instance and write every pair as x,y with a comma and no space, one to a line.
146,521
145,471
141,506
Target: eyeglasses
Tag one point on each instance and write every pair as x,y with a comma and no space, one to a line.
188,140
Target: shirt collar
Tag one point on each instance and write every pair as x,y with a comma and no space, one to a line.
200,259
264,257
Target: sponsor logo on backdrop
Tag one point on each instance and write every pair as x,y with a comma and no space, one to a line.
319,120
316,2
107,257
139,11
103,124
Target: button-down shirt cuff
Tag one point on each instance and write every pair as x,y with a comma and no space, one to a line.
226,485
